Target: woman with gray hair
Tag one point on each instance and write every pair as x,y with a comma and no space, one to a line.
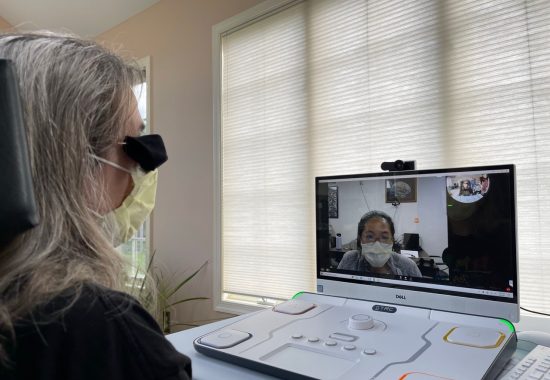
64,313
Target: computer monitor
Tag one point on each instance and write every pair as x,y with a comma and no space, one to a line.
410,245
465,220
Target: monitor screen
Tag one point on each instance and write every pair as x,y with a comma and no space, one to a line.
431,238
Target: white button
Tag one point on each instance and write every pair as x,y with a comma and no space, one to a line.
293,307
330,343
313,339
344,337
225,338
536,375
480,337
349,347
297,336
369,351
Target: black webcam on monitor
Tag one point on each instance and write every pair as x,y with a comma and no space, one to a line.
397,165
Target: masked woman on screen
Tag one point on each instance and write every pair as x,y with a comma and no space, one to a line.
375,241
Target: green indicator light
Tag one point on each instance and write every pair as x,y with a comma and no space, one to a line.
449,205
297,295
509,324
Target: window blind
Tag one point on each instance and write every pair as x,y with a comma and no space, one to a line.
266,223
329,87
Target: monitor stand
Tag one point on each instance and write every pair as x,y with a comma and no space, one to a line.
316,336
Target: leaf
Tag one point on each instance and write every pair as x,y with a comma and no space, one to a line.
184,324
187,300
135,279
185,281
148,271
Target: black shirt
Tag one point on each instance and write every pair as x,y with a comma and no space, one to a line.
102,335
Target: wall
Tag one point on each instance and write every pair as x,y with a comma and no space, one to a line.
4,25
176,34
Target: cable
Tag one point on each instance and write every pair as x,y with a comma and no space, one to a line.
396,202
364,195
534,312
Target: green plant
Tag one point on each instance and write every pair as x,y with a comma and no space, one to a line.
159,293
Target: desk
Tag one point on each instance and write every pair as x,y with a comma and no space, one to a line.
207,368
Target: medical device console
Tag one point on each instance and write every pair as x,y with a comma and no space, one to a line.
416,279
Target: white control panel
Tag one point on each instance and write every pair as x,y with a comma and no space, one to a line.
324,337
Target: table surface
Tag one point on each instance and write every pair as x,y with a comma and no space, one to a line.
207,368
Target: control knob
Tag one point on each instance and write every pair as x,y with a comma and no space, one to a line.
360,322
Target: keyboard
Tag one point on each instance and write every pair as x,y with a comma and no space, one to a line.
534,366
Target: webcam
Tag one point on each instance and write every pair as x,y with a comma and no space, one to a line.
397,165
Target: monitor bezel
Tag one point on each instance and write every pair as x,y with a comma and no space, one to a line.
490,306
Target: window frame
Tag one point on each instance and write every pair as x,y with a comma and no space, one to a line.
265,9
145,64
221,302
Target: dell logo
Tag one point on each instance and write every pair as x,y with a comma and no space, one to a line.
400,297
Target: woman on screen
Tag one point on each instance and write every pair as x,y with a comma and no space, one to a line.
375,241
465,188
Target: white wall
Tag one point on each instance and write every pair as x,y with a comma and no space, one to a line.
4,25
177,35
426,217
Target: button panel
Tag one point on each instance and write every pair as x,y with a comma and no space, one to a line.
332,344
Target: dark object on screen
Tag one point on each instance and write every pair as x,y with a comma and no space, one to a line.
411,242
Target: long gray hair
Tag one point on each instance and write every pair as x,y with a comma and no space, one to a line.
76,98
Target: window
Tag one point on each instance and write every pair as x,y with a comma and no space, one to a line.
137,249
312,88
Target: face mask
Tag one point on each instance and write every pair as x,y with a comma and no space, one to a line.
376,254
137,206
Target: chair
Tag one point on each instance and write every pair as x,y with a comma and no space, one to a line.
18,209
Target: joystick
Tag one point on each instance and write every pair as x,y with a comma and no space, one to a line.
360,322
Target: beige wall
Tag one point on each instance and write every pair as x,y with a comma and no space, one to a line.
4,25
176,34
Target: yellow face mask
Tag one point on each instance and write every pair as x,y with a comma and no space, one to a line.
137,206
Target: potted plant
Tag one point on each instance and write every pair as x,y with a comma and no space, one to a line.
159,293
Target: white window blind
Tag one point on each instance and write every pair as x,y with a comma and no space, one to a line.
337,87
266,212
